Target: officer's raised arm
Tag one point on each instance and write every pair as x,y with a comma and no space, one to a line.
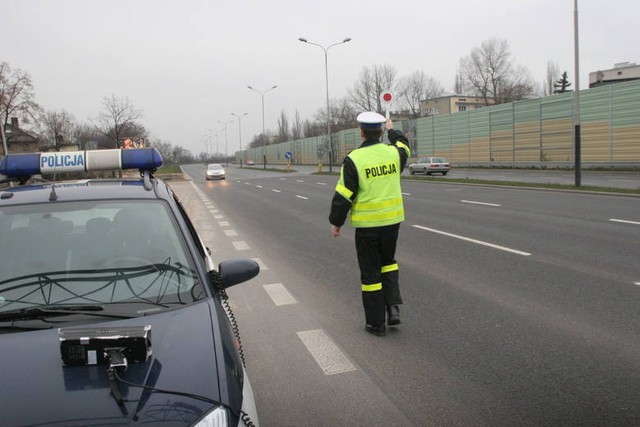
398,139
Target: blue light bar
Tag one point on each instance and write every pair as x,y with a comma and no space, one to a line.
20,165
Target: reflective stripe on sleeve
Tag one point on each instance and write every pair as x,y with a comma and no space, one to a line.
372,288
344,191
406,149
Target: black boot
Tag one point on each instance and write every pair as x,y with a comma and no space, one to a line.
378,330
393,315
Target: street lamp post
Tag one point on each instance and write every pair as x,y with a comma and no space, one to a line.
226,145
326,73
576,99
264,153
239,116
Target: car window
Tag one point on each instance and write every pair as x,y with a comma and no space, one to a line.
92,252
214,166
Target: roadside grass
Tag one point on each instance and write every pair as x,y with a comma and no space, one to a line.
169,168
260,168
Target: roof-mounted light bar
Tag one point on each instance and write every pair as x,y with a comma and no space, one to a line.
19,165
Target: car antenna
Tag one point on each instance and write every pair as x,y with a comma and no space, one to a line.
53,196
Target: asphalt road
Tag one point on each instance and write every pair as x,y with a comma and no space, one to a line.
521,306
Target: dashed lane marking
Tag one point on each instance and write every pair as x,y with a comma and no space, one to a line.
624,221
279,294
223,223
302,197
480,203
326,353
231,233
240,245
261,264
479,242
276,191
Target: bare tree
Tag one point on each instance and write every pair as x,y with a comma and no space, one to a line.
489,72
164,147
365,94
88,137
343,116
550,78
458,86
417,87
283,128
296,127
119,119
16,95
57,127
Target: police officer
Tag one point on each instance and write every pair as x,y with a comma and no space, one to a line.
369,192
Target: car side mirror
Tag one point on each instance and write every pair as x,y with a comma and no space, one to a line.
236,271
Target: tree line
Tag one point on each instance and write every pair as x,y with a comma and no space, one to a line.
488,72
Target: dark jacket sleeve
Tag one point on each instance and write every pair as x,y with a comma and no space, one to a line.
396,136
340,205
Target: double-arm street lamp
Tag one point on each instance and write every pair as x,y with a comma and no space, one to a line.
239,116
326,73
264,136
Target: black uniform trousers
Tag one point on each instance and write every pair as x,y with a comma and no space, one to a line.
376,249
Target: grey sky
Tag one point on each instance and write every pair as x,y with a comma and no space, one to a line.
187,63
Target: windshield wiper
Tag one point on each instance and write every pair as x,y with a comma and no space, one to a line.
43,311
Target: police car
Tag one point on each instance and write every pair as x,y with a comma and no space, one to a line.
111,310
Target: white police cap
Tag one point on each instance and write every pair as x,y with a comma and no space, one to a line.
371,120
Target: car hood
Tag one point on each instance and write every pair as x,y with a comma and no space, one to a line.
37,389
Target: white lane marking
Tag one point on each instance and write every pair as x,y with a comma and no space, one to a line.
299,180
231,233
247,183
406,194
325,352
321,183
218,216
283,179
279,294
625,221
479,242
214,211
259,186
240,245
223,223
261,264
302,197
276,191
636,283
480,203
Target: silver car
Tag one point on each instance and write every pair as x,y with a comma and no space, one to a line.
429,165
215,171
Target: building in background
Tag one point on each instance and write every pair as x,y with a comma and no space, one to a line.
18,140
452,104
621,72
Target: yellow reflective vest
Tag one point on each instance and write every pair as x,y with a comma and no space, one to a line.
379,199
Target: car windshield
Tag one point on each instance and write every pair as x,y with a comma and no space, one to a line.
214,166
438,160
100,252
